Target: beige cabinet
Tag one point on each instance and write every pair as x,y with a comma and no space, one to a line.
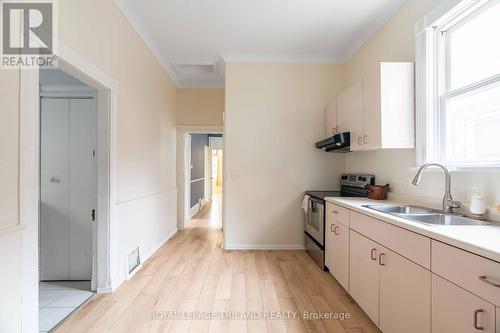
455,310
405,295
354,97
337,243
393,291
388,107
337,115
364,274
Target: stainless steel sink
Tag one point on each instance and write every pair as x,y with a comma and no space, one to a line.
426,215
443,219
401,209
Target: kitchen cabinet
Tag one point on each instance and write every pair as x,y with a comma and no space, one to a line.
337,115
364,274
337,251
388,108
455,310
405,295
393,291
354,96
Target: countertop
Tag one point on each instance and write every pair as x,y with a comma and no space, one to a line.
481,240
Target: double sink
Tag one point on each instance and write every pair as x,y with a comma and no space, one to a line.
426,215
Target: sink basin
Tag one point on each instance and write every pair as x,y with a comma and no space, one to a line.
425,215
443,219
401,209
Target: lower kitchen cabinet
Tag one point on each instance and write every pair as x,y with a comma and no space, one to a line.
337,252
405,295
455,310
364,274
393,291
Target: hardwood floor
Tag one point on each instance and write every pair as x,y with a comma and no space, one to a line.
190,275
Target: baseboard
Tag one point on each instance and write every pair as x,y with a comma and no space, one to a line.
160,244
109,290
263,247
193,210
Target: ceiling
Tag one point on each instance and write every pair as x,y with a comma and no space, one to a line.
193,38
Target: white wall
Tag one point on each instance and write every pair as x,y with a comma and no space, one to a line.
274,114
146,143
200,107
395,42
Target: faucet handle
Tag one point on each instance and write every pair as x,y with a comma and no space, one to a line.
454,204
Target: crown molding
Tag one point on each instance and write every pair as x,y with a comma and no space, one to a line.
281,58
136,23
367,32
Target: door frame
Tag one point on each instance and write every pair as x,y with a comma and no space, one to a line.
105,259
182,164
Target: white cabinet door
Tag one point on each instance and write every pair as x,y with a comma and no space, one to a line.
455,310
331,119
372,131
337,252
364,274
343,116
54,189
68,188
83,186
405,295
355,106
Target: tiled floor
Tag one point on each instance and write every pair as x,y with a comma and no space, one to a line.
57,299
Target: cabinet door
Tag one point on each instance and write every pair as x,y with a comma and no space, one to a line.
455,310
364,274
343,115
372,136
331,118
355,107
405,295
338,261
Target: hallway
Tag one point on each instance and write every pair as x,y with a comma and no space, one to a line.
192,285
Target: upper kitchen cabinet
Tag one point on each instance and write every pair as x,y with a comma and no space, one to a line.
337,116
388,108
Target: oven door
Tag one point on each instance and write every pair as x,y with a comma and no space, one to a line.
315,220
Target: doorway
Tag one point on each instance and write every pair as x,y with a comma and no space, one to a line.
68,195
201,179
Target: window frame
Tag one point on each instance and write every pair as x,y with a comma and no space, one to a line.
433,77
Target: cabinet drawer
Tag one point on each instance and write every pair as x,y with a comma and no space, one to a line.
479,275
337,214
415,247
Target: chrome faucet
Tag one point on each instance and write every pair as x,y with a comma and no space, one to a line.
448,203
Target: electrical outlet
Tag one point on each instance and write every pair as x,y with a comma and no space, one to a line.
235,175
408,183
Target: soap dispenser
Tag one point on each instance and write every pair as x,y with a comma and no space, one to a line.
477,206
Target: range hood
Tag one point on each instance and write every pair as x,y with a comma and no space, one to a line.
339,143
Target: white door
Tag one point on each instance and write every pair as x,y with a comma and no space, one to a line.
455,310
83,187
405,295
54,196
364,274
372,136
331,119
68,188
208,173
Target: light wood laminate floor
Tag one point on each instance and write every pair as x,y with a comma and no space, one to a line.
192,275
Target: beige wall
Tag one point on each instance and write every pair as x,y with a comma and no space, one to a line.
146,147
274,114
200,107
395,42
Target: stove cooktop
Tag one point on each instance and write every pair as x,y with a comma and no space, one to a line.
323,194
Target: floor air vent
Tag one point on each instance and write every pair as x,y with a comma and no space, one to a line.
133,262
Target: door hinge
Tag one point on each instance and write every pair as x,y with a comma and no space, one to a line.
93,214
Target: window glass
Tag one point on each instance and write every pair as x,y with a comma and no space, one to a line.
472,126
474,48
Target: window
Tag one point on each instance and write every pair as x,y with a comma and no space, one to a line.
463,89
